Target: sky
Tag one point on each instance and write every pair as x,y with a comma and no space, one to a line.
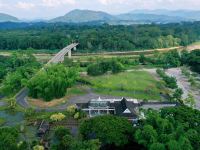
46,9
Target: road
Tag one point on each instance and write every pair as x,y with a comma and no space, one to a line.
21,98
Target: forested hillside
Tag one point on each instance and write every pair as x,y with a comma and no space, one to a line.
100,38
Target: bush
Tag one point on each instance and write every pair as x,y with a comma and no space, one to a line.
60,132
102,67
71,109
117,67
38,147
57,117
170,81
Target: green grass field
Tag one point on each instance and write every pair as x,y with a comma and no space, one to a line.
136,84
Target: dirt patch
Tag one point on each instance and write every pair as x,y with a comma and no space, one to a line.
42,104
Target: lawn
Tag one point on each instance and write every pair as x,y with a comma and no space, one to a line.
136,84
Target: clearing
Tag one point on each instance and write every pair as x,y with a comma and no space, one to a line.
135,84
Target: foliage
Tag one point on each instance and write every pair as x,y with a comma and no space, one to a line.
157,146
12,103
170,81
194,60
174,128
98,38
86,145
108,129
71,109
101,67
177,96
190,101
57,117
60,132
8,138
19,68
2,121
52,82
77,115
66,141
30,112
146,136
38,147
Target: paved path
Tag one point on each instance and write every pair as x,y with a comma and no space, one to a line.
183,83
21,99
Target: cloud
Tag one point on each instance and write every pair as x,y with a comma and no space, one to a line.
108,2
55,3
25,5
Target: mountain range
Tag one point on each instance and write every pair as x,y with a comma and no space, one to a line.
134,17
6,18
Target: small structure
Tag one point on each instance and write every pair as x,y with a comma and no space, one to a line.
43,129
128,108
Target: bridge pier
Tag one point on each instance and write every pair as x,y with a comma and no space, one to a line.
70,54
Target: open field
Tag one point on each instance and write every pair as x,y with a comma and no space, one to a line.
135,84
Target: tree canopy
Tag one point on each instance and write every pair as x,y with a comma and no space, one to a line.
52,82
171,128
100,38
108,129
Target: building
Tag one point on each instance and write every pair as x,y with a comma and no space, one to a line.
120,107
128,108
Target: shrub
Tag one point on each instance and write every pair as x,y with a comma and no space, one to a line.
57,117
71,109
38,147
170,81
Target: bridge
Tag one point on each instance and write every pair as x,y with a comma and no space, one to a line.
59,57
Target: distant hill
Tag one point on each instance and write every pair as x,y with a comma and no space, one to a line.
90,17
150,18
187,14
7,18
80,16
134,17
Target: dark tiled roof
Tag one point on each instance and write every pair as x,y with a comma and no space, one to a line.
123,105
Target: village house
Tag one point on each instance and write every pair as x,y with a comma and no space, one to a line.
128,108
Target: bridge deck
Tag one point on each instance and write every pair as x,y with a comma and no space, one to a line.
60,56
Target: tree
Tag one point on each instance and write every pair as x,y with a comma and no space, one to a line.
172,128
190,101
173,145
117,67
185,143
8,138
142,59
178,95
157,146
52,82
108,129
146,136
61,131
86,145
